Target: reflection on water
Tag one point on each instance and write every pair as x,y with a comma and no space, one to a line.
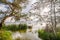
25,36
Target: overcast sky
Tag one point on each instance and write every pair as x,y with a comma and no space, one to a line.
29,6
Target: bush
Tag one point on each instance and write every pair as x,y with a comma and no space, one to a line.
5,35
58,36
15,27
22,26
42,34
10,27
48,36
4,27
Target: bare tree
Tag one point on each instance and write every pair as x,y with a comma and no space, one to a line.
14,7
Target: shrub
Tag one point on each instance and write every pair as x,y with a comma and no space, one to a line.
5,35
22,26
4,27
42,34
15,27
10,27
58,36
48,36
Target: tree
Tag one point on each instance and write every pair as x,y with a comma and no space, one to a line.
14,9
49,10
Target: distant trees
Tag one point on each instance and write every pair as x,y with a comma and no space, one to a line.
48,12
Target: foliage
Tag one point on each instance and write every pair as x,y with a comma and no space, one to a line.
58,36
15,27
18,38
48,36
10,27
5,35
22,26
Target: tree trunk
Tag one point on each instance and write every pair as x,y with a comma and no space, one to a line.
0,25
3,20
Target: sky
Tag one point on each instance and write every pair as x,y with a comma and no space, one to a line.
28,6
10,1
2,7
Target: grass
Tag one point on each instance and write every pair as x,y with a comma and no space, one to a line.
5,35
48,36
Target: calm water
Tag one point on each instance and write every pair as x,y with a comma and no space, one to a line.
26,36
